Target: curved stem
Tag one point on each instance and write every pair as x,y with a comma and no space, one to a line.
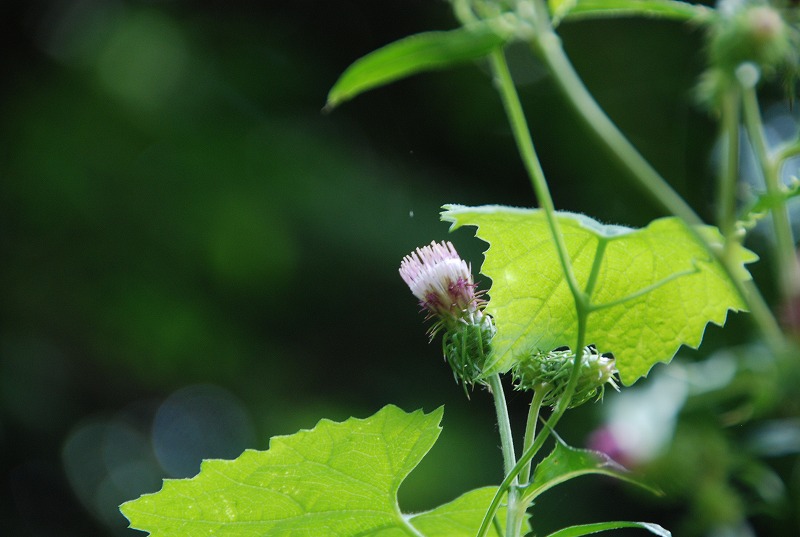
788,151
548,45
530,429
786,267
522,136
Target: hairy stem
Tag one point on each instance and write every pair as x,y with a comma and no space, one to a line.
503,422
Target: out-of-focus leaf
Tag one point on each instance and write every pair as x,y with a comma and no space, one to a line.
665,9
560,8
415,54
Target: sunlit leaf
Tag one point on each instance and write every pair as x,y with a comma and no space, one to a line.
654,289
461,517
566,462
416,54
664,9
336,480
589,529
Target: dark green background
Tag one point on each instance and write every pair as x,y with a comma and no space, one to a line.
178,217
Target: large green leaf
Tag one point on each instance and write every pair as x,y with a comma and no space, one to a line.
566,462
415,54
336,480
665,9
654,289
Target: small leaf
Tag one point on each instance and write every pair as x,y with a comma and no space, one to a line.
665,9
654,289
461,517
336,480
416,54
588,529
566,462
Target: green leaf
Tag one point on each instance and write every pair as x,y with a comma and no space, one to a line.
588,529
653,289
461,517
560,8
566,462
336,480
665,9
416,54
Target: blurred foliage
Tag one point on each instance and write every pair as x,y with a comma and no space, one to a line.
182,228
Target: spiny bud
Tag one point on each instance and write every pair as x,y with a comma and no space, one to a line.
550,372
466,347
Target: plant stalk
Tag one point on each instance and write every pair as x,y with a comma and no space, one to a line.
522,136
507,446
530,430
786,265
729,171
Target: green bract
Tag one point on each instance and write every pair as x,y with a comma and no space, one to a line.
650,290
336,480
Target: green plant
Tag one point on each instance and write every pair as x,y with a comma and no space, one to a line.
573,302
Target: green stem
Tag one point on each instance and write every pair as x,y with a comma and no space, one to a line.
548,45
530,429
729,171
522,136
509,483
787,151
503,422
788,274
507,445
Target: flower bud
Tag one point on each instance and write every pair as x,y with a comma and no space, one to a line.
550,371
442,282
466,347
751,33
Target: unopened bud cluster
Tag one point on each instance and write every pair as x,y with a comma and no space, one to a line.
549,373
443,284
748,33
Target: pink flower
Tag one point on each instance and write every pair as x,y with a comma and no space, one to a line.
442,282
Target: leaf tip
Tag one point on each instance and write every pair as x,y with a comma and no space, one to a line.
448,214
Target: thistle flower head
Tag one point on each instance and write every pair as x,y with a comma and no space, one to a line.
442,282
